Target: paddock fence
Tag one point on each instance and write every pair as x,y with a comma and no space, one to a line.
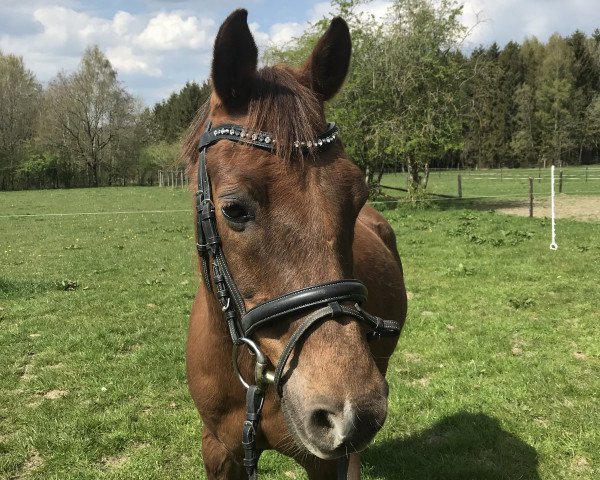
448,185
173,178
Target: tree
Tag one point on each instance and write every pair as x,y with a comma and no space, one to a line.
585,80
554,99
425,74
157,156
525,137
399,104
592,122
88,115
512,76
361,109
174,115
485,116
525,132
19,100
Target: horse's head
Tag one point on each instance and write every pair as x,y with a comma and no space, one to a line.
286,219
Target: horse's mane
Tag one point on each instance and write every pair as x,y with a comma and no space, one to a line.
279,104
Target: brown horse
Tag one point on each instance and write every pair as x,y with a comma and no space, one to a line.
288,216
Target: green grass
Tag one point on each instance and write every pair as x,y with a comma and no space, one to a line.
506,182
496,376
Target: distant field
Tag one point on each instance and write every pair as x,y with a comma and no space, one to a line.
496,375
506,182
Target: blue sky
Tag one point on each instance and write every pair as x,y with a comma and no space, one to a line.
158,45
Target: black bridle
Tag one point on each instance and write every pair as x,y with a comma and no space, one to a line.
323,301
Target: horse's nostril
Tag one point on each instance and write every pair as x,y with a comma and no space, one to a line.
322,419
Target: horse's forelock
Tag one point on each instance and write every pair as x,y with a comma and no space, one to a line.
279,104
283,107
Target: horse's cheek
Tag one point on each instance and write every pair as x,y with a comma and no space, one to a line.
382,349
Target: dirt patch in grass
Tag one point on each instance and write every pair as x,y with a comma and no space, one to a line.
577,207
421,382
54,394
411,357
31,465
115,461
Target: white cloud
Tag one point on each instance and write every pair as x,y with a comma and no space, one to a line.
278,34
156,47
172,31
379,9
125,60
62,24
318,11
124,22
283,33
515,19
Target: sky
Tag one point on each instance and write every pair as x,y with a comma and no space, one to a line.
158,45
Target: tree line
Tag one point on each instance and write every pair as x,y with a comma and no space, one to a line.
85,129
413,100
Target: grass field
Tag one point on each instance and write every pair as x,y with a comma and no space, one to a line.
497,374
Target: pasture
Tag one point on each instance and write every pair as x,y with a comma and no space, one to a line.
507,183
497,373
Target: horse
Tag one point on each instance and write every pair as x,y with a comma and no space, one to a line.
288,249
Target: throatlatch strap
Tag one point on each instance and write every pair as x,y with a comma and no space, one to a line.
201,241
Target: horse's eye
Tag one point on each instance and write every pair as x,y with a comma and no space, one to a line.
236,212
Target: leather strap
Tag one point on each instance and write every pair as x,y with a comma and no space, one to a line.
254,403
300,300
289,347
380,328
209,249
343,463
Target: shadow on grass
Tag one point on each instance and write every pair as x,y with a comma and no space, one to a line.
482,203
13,289
464,446
474,203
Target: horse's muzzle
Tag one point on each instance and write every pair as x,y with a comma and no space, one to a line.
332,426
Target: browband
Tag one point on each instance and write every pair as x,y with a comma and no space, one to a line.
262,140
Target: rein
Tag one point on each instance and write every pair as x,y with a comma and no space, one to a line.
324,300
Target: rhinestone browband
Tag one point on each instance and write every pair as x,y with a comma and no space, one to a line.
262,139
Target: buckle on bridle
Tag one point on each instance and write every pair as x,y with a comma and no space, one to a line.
225,307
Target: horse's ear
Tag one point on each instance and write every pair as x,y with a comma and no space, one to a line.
234,60
326,68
